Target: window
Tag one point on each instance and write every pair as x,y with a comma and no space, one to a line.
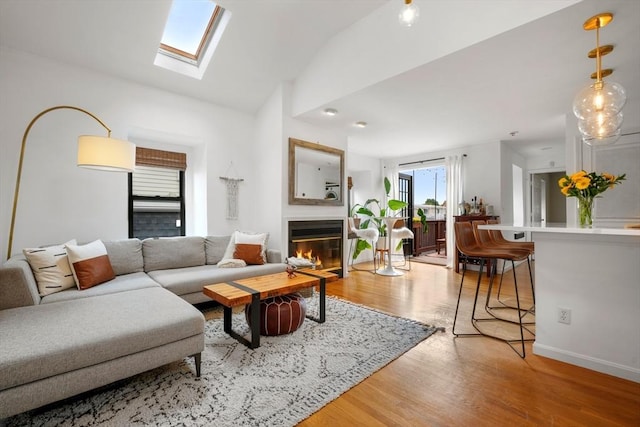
156,194
190,36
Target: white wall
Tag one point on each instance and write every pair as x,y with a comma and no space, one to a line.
270,171
58,200
508,158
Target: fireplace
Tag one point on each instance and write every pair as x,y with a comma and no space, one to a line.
317,244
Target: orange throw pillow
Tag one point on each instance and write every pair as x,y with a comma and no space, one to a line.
251,254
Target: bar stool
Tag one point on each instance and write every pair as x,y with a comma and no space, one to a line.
485,239
497,237
366,234
469,246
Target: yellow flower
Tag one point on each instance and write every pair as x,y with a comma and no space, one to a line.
564,182
610,178
582,182
565,190
578,175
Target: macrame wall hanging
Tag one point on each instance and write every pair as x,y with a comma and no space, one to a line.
232,192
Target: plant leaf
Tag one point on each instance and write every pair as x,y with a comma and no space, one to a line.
396,204
387,185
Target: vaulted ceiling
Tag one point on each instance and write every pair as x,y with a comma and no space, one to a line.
519,78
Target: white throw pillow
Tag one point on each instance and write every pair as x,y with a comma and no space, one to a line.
90,264
246,237
51,269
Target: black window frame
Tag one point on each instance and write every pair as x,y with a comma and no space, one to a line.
180,199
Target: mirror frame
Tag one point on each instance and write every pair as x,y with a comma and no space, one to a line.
293,200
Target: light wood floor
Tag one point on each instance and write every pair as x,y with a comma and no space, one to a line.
467,381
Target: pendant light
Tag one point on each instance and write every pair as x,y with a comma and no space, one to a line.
598,106
408,14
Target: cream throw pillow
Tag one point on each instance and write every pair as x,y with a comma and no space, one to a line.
51,269
246,237
90,264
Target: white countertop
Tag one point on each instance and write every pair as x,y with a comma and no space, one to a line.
562,228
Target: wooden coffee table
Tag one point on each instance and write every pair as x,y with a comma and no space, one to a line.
254,289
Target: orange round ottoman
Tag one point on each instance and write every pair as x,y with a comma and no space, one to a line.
279,315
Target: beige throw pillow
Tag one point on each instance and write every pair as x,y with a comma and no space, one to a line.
51,269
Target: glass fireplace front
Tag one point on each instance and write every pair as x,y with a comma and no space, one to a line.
318,243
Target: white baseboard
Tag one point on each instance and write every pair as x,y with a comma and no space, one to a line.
621,371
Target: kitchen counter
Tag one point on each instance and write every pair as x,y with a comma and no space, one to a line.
594,273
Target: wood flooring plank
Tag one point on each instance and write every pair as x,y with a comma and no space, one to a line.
447,381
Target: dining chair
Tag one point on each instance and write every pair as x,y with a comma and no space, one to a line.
400,232
367,234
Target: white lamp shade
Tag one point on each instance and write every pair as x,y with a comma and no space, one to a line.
589,101
108,154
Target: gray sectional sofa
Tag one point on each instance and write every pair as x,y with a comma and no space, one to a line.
65,343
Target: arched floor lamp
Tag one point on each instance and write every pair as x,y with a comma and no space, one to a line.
94,152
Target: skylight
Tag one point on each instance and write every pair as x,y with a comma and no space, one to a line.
192,31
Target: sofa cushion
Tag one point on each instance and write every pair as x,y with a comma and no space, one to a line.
126,282
193,279
90,264
125,256
50,339
215,247
51,269
173,252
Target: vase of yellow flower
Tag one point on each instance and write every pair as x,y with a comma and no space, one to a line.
586,187
585,208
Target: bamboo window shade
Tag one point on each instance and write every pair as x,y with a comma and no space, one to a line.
160,158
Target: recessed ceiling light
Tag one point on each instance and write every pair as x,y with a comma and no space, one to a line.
330,111
546,148
361,124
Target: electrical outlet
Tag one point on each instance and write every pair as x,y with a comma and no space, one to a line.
564,315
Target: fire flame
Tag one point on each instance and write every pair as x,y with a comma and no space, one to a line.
307,255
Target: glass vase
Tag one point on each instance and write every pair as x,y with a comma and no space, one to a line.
585,211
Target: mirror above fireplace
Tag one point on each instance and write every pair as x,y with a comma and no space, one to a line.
315,174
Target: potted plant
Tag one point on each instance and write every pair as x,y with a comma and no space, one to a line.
374,212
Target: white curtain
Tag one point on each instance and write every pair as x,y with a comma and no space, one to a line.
454,197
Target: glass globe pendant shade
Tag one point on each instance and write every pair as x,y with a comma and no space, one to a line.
606,140
600,125
600,96
408,14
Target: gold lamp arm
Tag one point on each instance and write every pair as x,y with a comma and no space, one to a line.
22,149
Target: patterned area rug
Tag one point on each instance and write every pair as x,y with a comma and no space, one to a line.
286,379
